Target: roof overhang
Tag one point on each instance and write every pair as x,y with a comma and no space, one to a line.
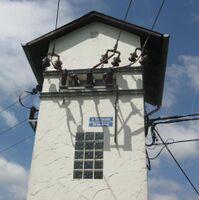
157,45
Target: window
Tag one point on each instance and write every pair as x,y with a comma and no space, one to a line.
88,162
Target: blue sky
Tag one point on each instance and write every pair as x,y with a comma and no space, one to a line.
22,21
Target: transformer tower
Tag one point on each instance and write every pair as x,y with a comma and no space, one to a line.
90,134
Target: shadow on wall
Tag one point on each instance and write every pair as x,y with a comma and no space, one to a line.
109,135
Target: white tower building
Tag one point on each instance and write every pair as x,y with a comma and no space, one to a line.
90,134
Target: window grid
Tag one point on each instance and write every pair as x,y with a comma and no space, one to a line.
88,162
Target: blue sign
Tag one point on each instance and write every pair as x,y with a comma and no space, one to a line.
100,121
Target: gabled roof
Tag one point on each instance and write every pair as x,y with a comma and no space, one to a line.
157,45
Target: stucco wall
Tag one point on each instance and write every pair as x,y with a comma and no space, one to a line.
125,177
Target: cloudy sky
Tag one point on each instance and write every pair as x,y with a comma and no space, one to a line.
24,20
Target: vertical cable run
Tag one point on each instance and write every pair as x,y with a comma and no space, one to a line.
56,24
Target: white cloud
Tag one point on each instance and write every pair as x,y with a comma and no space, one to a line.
13,179
177,74
164,189
179,132
22,21
191,69
9,117
164,197
162,183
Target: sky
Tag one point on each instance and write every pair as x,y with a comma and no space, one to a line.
24,20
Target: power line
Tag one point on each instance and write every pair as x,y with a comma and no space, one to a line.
158,14
179,166
56,24
153,158
148,161
174,117
176,121
12,104
147,38
179,141
11,128
160,151
125,17
15,144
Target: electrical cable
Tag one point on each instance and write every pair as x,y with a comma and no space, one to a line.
15,144
34,92
117,41
158,14
12,127
125,17
116,115
148,161
11,105
174,117
153,158
56,24
176,121
100,63
179,166
179,141
147,38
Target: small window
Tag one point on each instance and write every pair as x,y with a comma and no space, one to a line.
78,165
98,154
77,174
98,174
79,154
88,174
79,145
88,162
89,154
89,136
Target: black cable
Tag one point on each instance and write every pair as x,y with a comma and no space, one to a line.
174,117
186,176
125,17
9,129
148,161
11,105
179,141
116,114
15,144
153,158
158,14
56,24
176,121
147,38
20,99
154,145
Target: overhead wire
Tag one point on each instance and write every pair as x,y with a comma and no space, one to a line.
148,161
158,14
174,117
15,144
177,163
12,127
125,17
117,40
12,104
56,25
152,27
179,141
156,156
176,121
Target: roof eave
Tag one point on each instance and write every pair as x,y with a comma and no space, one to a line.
165,45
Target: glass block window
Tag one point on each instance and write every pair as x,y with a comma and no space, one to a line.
88,159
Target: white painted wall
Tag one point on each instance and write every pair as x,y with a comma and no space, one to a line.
80,50
125,174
